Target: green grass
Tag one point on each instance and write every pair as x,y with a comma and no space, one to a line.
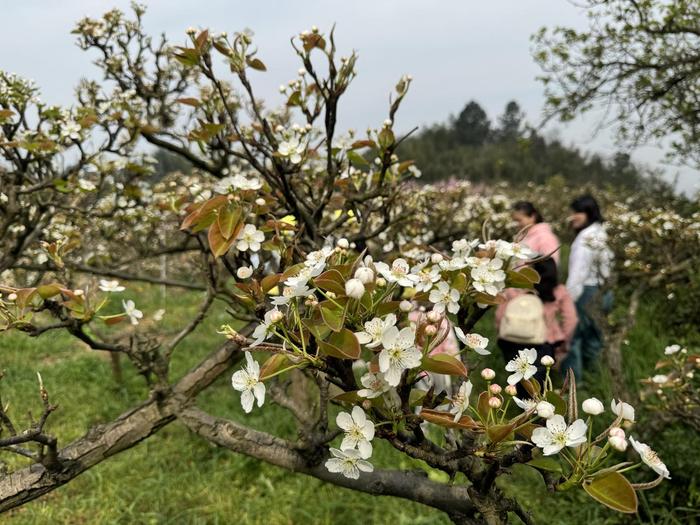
176,477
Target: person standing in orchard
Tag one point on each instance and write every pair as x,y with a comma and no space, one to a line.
589,267
545,321
539,236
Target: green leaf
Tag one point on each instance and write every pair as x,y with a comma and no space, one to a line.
444,364
46,291
497,433
342,344
614,491
445,419
256,64
386,138
229,221
333,314
557,401
274,363
546,463
331,281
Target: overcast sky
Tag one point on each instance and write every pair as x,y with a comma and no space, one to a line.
456,50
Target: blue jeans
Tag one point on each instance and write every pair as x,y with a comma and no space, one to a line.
588,339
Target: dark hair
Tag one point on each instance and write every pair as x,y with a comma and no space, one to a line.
528,209
588,205
549,280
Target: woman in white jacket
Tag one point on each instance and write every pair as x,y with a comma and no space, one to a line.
589,267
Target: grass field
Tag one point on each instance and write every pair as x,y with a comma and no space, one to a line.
176,477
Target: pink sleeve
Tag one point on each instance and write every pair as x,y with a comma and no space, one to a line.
569,317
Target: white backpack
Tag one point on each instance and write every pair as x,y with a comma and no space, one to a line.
523,321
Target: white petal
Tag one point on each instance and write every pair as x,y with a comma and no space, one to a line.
359,416
365,448
344,421
259,392
239,380
335,465
247,399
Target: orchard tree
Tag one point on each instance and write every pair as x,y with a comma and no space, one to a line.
472,126
640,60
291,227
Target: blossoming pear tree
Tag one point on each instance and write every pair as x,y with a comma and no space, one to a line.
285,229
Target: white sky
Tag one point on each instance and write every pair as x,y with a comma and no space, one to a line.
456,50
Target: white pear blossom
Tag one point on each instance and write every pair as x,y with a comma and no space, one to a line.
522,366
425,277
460,402
445,297
250,238
622,409
319,256
488,277
247,381
132,312
650,458
264,329
527,405
111,286
348,462
557,435
476,342
660,379
375,385
374,330
359,431
397,273
292,149
672,349
398,354
593,406
291,292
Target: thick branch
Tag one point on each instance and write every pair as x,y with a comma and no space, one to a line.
411,485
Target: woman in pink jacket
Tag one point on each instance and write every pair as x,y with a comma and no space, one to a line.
560,317
539,236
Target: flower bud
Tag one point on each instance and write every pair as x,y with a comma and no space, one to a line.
545,409
511,390
343,243
12,297
430,330
547,361
364,274
367,404
260,201
332,295
616,438
593,406
495,402
381,282
354,288
276,316
244,272
488,374
434,316
79,292
495,389
406,306
436,258
660,379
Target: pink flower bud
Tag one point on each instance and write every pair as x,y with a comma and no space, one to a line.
495,389
488,374
495,402
430,330
433,316
511,390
